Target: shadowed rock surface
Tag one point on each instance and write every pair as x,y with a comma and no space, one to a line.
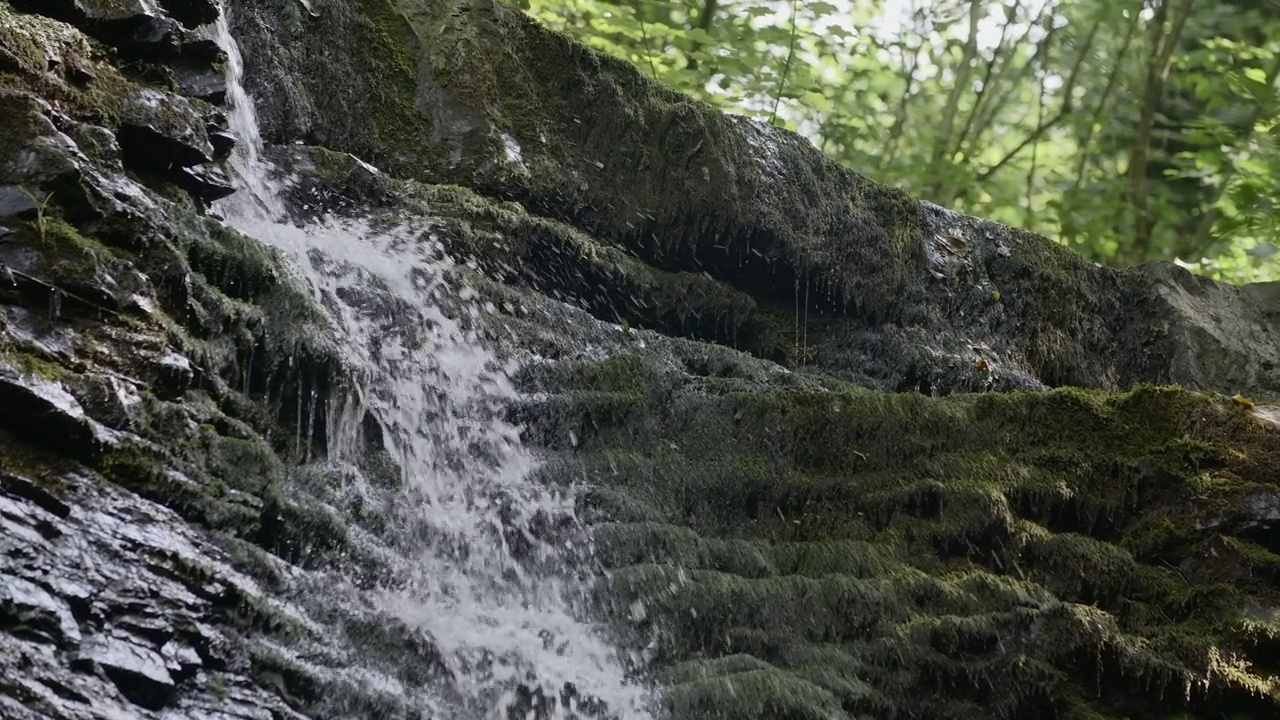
898,294
811,415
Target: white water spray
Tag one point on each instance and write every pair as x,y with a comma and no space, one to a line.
474,573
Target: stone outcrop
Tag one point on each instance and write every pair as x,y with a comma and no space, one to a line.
846,454
900,295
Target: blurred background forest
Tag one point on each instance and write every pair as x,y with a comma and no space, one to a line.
1128,129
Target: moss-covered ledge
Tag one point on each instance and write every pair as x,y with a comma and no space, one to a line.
909,296
842,553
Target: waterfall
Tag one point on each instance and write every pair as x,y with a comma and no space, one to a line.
481,559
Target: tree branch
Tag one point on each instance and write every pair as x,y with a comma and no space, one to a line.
1068,105
705,18
1157,73
900,116
1083,150
964,69
995,102
1010,15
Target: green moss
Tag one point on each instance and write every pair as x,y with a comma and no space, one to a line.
1080,568
507,242
141,469
762,692
302,533
400,130
40,466
969,556
288,677
32,41
68,256
20,119
32,360
245,463
493,67
625,373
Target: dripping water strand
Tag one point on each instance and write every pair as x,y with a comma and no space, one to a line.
478,571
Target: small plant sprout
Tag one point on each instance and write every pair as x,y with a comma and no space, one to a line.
42,221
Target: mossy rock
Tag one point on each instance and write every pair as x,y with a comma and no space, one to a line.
846,553
750,237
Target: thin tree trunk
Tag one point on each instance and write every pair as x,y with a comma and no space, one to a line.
705,18
1068,105
988,76
892,145
1163,44
964,69
1085,152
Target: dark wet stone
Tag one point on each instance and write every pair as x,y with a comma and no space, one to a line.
15,200
175,374
79,11
46,414
191,13
153,629
157,38
137,28
112,400
198,49
223,143
200,81
27,607
181,659
160,131
138,672
47,154
98,144
97,566
220,135
206,183
51,161
21,487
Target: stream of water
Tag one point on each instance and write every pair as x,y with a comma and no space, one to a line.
482,557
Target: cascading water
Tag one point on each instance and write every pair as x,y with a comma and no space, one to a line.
479,557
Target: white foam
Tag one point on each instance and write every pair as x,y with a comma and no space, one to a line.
499,614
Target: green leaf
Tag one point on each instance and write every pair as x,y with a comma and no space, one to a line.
821,9
817,101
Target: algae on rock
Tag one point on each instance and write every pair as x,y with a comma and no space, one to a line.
854,554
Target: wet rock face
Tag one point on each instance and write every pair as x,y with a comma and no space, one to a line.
786,538
63,149
161,132
107,602
53,412
138,28
814,265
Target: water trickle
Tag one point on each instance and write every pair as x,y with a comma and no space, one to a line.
481,560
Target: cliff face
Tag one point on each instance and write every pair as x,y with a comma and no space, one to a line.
846,454
898,293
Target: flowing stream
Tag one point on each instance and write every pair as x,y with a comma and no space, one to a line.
485,563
